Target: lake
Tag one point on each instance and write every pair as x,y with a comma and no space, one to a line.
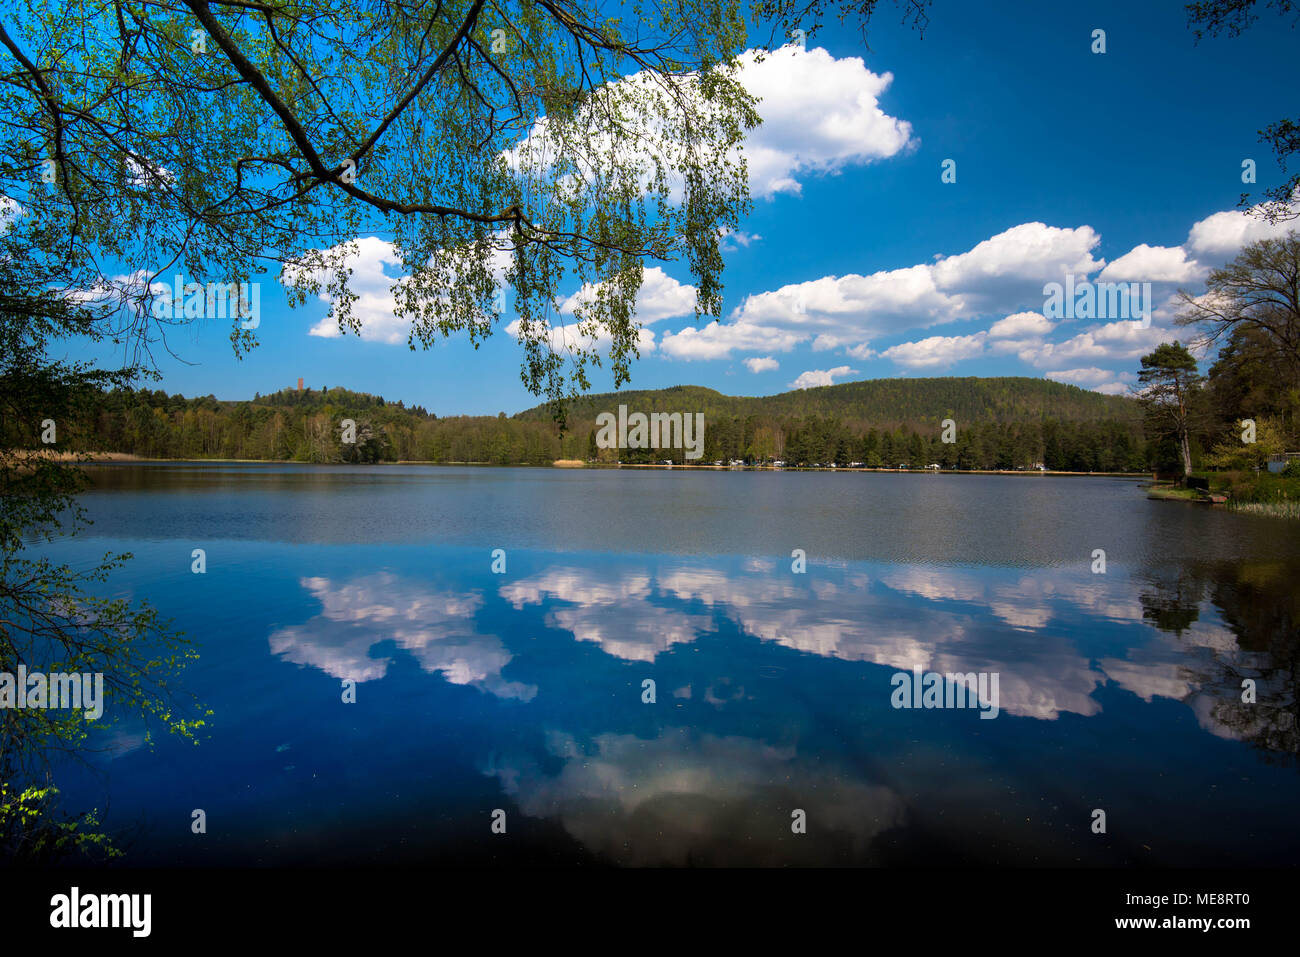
517,693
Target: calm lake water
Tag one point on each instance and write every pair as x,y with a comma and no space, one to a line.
523,691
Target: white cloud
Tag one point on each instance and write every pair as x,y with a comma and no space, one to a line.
856,307
660,297
819,113
1098,380
1145,263
936,351
1111,342
819,377
369,259
717,340
1000,274
1088,376
1021,324
1030,252
831,312
1223,234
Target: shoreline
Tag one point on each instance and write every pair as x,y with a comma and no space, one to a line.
1166,492
864,468
102,458
56,455
1155,490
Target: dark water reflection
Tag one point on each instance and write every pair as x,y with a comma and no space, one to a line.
523,691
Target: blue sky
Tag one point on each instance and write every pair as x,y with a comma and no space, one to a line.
858,261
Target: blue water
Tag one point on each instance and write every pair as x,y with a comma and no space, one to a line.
523,691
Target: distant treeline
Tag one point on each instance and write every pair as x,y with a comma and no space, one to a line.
999,424
308,426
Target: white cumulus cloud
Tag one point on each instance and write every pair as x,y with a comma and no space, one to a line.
936,351
819,377
1030,252
1145,263
1113,341
717,340
1221,235
1021,324
1001,274
819,113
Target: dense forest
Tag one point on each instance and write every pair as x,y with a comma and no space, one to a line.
885,403
1000,423
1004,423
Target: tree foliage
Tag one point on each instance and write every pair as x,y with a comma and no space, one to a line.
502,146
55,617
1258,294
1250,310
1170,392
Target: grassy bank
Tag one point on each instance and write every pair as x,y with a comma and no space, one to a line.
56,455
1255,493
1262,493
1173,493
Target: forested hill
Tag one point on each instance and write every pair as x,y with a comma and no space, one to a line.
887,403
999,423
